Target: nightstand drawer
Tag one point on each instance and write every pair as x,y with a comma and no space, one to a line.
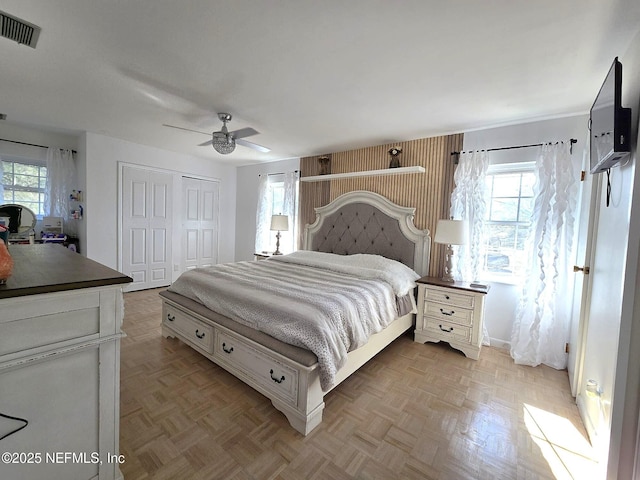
449,313
449,298
449,332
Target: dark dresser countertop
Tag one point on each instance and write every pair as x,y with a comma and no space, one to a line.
48,268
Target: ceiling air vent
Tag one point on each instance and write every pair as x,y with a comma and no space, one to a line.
18,30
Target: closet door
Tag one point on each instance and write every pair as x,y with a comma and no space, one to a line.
146,227
201,203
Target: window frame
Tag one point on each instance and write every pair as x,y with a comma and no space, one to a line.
41,176
525,167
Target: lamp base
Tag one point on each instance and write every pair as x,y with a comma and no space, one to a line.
277,252
448,266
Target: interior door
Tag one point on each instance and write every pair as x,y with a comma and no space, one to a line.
146,227
201,203
604,305
589,198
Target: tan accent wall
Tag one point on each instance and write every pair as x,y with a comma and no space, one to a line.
429,192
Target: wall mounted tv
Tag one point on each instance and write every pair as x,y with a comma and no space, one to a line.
610,124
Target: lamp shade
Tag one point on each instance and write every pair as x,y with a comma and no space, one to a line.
279,223
451,232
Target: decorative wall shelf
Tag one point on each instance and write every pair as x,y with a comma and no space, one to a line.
367,173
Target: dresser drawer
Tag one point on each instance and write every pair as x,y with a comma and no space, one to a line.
247,360
449,313
449,298
449,332
196,332
39,321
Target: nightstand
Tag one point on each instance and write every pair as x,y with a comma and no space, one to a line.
262,255
451,312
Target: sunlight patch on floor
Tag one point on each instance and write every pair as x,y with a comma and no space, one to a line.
568,453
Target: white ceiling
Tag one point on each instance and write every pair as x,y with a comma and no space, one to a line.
312,77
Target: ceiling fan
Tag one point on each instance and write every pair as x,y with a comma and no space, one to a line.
224,141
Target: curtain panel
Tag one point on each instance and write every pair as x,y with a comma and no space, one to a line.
1,184
469,203
61,172
541,327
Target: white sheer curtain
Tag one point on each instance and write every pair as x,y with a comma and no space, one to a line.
1,184
265,238
61,171
469,202
263,215
541,328
290,209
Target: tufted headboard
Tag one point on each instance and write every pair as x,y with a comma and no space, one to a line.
366,222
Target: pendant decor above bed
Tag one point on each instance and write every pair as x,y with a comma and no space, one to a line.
294,327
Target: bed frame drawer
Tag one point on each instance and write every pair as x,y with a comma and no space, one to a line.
195,331
248,360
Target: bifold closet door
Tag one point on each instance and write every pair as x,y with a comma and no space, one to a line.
201,204
146,227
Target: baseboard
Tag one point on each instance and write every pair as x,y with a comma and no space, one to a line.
497,343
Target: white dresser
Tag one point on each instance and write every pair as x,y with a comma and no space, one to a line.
60,330
450,312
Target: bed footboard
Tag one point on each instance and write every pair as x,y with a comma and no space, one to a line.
293,388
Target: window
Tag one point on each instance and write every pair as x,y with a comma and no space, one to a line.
508,218
278,195
24,183
276,190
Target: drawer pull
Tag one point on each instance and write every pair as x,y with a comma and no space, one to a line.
24,422
447,313
447,297
224,348
276,379
199,335
170,317
448,330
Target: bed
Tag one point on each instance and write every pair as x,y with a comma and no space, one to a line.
357,226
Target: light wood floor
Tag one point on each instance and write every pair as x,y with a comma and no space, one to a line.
413,412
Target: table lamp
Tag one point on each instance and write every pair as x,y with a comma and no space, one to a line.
279,223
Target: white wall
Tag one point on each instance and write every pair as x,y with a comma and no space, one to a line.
247,202
103,155
619,227
502,299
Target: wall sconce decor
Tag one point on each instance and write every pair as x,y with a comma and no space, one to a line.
325,165
395,153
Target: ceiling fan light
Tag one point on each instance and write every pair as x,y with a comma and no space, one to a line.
223,146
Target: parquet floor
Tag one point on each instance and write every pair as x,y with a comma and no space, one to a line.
413,412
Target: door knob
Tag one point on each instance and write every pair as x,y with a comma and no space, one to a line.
584,270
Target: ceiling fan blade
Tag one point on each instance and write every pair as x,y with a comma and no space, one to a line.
255,146
208,142
244,132
186,129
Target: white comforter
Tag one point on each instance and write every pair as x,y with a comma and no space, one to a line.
329,304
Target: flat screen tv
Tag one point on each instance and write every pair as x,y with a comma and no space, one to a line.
610,124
